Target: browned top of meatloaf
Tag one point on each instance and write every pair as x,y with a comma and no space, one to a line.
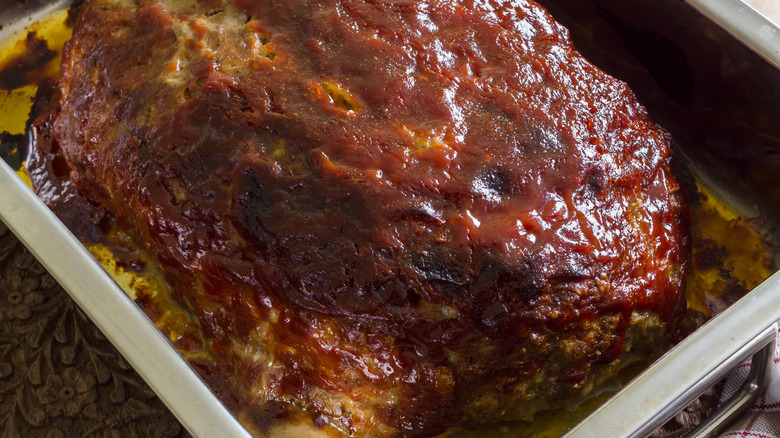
381,211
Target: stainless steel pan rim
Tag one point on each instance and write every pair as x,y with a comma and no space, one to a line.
638,409
746,24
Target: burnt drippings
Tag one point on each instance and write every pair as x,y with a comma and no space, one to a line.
12,149
25,68
15,148
73,13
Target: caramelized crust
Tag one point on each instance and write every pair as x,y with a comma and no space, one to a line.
398,216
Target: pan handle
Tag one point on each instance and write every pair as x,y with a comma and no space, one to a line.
755,384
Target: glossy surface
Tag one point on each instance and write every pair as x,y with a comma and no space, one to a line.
396,214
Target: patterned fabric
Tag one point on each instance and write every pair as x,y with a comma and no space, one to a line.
763,419
59,376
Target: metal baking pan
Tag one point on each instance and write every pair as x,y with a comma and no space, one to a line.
706,69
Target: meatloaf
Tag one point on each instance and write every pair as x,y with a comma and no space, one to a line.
393,216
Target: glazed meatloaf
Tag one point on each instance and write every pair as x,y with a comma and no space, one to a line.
393,216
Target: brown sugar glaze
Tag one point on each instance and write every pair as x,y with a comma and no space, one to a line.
393,214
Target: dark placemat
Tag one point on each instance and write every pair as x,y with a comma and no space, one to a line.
59,376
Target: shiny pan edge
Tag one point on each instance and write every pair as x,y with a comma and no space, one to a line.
746,24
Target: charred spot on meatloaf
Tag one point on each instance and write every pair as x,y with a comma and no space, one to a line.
398,216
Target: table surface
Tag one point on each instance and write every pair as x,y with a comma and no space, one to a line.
59,376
